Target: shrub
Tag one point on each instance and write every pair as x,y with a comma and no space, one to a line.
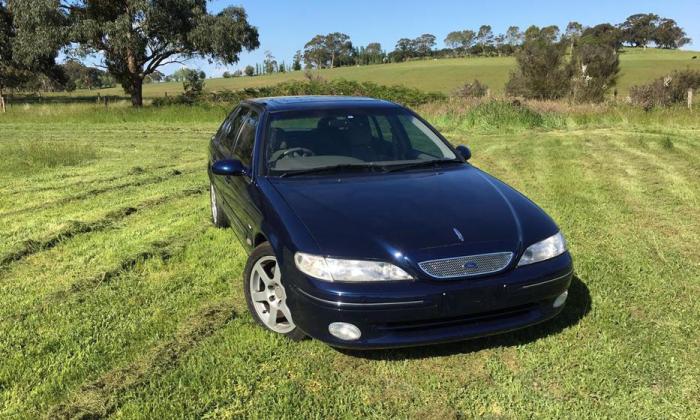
595,64
476,89
501,114
194,86
651,95
542,70
399,94
666,91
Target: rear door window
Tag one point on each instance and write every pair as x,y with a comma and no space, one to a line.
228,140
246,139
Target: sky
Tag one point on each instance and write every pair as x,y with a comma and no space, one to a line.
285,26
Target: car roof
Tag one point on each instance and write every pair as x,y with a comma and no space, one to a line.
297,103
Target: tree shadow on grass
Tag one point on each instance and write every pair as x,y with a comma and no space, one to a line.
577,307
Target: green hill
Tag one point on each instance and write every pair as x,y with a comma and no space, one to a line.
637,66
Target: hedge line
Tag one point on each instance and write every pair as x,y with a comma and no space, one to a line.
399,94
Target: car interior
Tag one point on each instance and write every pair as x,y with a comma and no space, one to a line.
342,139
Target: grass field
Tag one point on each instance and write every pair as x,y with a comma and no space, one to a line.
120,299
637,67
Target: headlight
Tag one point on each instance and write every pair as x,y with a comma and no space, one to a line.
333,269
543,250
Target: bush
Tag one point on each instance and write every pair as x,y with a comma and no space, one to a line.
502,114
399,94
476,89
666,91
193,86
542,69
651,95
595,64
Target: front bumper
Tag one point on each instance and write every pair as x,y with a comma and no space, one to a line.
430,311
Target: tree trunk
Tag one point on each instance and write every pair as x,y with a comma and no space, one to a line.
137,92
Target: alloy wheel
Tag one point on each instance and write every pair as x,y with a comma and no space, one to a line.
269,297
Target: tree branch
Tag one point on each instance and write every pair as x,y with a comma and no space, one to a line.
160,61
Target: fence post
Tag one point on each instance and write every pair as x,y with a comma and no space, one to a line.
2,103
690,99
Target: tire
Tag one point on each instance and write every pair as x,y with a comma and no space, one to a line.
218,218
265,294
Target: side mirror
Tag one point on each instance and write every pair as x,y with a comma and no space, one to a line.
229,167
465,152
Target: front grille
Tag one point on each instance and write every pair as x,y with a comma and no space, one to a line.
464,320
469,266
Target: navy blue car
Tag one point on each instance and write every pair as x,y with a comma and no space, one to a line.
365,228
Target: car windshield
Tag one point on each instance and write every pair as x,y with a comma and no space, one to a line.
339,140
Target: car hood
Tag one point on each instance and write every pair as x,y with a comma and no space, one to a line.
417,215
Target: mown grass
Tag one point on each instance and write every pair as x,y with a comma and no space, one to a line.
120,299
26,156
446,75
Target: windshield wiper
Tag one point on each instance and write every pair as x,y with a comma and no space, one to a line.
332,168
432,162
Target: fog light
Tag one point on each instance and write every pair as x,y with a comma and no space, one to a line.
559,301
344,331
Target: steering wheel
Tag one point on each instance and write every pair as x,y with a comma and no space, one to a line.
296,152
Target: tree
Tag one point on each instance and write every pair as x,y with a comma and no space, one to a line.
194,84
542,71
453,40
403,50
334,49
8,72
80,76
155,77
28,44
338,47
296,64
249,70
180,75
315,52
424,44
573,32
484,38
513,36
595,63
269,64
499,42
183,74
138,37
226,75
373,53
669,35
639,29
606,33
460,40
551,32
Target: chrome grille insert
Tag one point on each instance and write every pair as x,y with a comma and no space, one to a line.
469,266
